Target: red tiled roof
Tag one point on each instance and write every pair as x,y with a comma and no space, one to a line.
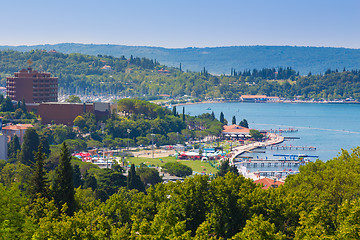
253,96
17,127
267,182
236,129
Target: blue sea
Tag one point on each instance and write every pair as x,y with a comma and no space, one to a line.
328,127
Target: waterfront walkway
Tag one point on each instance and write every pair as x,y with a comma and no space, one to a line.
272,140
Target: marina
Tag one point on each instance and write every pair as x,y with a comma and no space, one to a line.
285,147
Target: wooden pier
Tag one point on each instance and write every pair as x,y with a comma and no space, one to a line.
284,147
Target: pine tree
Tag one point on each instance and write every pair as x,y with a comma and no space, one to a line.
244,123
63,188
39,183
29,146
89,181
233,120
134,181
222,119
225,168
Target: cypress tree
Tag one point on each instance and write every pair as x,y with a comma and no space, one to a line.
183,116
233,120
39,182
63,188
14,147
23,105
134,181
213,115
29,146
174,111
222,119
77,180
45,144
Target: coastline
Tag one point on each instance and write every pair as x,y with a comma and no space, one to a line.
282,101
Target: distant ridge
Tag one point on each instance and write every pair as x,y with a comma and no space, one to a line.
219,60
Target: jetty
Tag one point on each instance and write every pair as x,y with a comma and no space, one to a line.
273,140
285,147
280,130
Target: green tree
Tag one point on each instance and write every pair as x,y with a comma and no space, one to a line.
225,168
174,112
23,105
29,146
14,147
110,181
256,134
89,181
80,122
77,180
244,123
134,181
39,183
233,120
73,99
46,147
259,228
183,115
63,188
149,176
178,169
222,119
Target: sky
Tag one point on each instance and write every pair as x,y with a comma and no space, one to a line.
179,24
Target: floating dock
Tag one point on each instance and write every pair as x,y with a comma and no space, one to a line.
284,147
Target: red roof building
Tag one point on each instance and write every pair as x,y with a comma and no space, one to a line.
19,130
235,131
267,183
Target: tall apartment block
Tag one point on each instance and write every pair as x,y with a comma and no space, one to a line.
33,86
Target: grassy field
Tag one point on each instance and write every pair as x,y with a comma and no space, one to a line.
196,165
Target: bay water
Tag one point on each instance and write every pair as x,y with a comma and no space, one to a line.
328,127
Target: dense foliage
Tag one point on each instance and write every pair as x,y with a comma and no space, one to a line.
321,202
141,77
178,169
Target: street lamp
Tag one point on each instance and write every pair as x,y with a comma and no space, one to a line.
128,132
152,142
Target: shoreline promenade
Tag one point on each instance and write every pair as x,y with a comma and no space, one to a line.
273,140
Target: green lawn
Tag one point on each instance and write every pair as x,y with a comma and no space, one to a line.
196,165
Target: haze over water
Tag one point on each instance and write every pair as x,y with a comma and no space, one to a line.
328,127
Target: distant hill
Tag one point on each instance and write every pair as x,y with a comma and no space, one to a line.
220,60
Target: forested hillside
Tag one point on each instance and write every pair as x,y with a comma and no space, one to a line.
219,60
147,78
321,202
